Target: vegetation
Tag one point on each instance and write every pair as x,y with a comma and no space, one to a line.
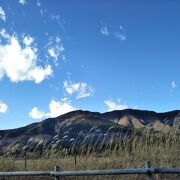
129,151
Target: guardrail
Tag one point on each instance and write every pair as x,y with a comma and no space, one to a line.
56,173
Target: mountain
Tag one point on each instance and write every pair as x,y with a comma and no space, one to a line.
84,127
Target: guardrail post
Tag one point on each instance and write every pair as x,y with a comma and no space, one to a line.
148,165
56,169
75,158
25,162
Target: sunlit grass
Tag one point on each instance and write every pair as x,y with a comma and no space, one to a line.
128,152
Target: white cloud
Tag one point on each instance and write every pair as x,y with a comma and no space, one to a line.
135,107
59,107
71,87
104,29
19,61
23,2
38,73
4,34
120,34
41,12
111,105
81,89
55,49
3,107
38,3
58,19
28,40
36,114
173,84
52,53
56,108
41,9
2,14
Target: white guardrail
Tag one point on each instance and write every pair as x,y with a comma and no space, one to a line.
56,173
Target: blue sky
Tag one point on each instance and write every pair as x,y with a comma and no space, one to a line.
57,56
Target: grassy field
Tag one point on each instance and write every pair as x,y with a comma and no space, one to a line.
162,152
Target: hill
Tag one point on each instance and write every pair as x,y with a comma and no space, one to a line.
85,128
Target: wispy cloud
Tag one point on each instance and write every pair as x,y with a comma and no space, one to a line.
111,105
43,12
28,40
81,89
173,84
2,14
38,3
19,61
58,19
120,34
56,108
104,29
135,107
3,107
23,2
55,86
55,49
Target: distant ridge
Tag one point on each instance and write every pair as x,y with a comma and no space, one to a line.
78,124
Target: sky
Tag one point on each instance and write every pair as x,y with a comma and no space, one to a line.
58,56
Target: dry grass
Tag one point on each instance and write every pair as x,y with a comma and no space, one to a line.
161,150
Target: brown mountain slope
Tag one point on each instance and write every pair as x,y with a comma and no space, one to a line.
85,127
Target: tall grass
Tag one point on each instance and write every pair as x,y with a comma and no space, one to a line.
105,152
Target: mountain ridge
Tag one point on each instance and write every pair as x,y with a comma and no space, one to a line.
76,127
111,115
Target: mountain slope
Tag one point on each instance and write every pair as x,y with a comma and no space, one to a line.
85,127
